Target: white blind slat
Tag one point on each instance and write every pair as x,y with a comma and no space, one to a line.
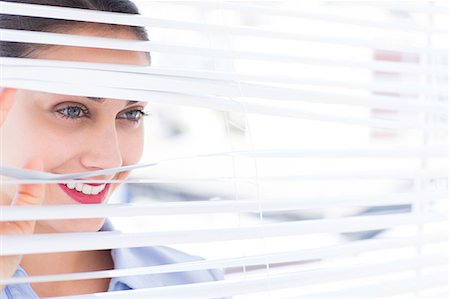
200,87
387,288
287,280
210,102
149,46
349,249
339,19
12,213
318,173
381,87
369,175
46,243
125,19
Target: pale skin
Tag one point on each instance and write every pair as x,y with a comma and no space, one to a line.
39,133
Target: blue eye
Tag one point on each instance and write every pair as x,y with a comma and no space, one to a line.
73,112
132,115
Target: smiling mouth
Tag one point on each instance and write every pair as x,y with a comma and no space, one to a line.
86,193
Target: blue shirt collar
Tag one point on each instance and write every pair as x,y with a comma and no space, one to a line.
142,257
128,258
122,258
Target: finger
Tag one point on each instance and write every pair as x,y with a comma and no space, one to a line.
31,194
7,97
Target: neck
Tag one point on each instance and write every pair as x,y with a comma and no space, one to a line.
64,262
68,262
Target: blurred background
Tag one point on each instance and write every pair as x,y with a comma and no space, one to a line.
362,90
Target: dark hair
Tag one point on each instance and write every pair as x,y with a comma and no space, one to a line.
19,49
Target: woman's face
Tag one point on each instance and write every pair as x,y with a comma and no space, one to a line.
75,134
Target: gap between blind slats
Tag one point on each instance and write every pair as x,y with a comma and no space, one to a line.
436,293
432,151
372,175
386,87
384,289
404,152
223,288
212,103
336,251
407,6
139,20
193,86
149,46
53,212
317,16
376,174
60,242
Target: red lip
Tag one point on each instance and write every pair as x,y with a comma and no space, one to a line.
84,198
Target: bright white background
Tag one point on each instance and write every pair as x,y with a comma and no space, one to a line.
181,131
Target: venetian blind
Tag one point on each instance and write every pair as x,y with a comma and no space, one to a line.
298,146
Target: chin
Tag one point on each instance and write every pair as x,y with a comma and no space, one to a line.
74,225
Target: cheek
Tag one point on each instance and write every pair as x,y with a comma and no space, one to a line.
54,146
35,136
131,145
29,136
16,137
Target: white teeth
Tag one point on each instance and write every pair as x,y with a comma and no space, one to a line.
85,188
97,189
79,187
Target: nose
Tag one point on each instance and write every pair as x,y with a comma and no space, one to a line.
102,149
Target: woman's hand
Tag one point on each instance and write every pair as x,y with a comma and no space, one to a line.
31,194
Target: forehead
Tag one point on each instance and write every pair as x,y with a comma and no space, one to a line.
86,54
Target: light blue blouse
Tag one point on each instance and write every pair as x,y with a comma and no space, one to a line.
129,258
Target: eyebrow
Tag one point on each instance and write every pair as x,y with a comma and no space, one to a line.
101,100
